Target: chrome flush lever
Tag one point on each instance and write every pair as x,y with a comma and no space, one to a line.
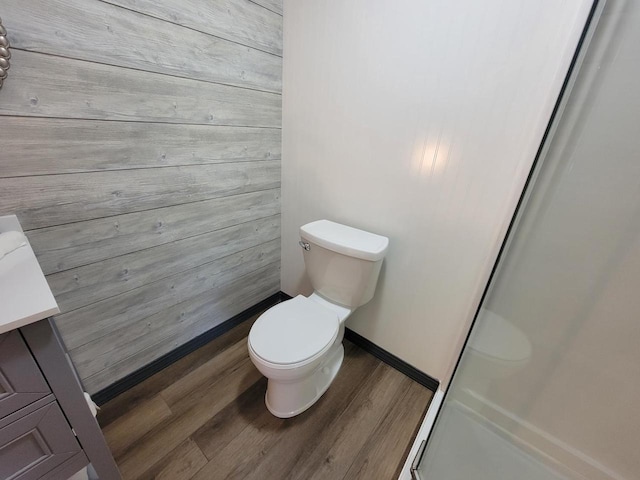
304,245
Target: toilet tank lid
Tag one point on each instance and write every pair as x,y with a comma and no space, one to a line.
345,240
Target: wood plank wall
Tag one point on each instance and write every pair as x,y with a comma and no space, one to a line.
140,149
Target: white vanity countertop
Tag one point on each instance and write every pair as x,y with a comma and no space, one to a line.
25,296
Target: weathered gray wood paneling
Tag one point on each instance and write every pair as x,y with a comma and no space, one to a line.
85,285
146,327
205,312
68,246
53,146
240,21
141,152
99,32
273,5
46,86
43,201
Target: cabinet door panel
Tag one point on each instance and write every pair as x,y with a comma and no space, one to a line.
21,381
35,444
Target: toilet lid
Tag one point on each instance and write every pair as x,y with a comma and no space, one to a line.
293,331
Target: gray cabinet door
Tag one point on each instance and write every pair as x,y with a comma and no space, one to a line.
35,444
21,381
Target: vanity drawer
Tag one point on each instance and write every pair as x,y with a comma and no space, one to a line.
35,444
21,381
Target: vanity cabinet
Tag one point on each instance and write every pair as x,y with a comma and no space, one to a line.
37,442
47,430
21,381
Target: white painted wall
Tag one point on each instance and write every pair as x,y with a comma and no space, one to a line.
417,120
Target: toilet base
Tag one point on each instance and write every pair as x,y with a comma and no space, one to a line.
288,399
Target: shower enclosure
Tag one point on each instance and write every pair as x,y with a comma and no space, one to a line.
548,385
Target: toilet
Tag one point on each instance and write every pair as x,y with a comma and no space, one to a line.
297,344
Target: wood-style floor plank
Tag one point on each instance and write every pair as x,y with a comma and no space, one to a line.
134,424
181,464
330,455
187,392
160,441
389,438
214,424
218,432
269,446
295,444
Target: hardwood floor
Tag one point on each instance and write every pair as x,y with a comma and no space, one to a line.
204,418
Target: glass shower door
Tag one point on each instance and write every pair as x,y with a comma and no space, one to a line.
549,382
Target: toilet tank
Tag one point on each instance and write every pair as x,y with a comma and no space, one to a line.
343,263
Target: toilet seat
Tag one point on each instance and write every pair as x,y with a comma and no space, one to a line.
294,332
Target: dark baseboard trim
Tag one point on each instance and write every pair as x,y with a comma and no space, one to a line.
389,358
131,380
284,296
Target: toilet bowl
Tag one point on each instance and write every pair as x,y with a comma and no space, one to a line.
297,344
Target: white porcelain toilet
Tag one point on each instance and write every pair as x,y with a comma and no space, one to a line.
297,344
